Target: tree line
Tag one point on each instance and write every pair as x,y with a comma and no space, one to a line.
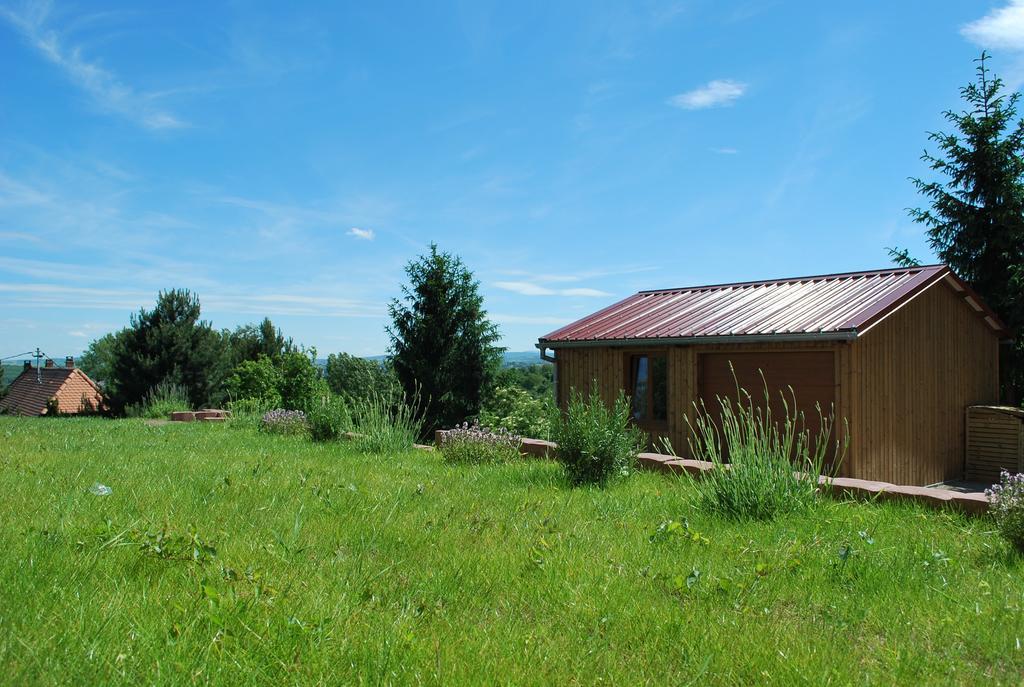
443,353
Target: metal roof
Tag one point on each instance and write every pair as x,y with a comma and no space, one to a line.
830,306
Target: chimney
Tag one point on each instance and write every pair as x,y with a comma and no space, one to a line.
69,362
49,363
28,365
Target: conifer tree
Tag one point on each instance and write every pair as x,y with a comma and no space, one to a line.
975,222
443,347
168,344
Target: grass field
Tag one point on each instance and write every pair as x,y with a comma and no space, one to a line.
226,556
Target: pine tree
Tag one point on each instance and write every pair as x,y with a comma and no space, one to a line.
442,344
250,341
168,344
976,220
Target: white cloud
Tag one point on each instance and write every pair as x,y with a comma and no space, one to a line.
50,295
525,288
717,93
14,192
1001,28
102,85
725,151
364,234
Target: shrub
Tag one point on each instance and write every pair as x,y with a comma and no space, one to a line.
762,465
328,418
284,422
595,442
385,427
354,378
475,444
160,401
516,411
1007,507
257,380
300,386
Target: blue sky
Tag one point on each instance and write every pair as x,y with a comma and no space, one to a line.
289,159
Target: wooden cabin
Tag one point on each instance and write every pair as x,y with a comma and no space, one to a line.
52,390
899,354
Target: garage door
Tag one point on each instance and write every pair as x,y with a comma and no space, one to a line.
811,374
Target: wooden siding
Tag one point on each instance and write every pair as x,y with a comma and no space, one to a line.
912,377
902,387
807,378
579,367
995,442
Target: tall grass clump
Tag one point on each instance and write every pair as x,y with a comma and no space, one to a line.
160,401
763,465
381,425
595,442
249,411
328,417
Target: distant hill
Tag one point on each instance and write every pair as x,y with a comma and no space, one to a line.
8,374
521,358
512,359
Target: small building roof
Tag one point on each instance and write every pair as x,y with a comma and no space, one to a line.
829,306
30,391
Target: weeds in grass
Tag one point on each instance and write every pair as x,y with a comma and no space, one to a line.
160,401
169,545
763,465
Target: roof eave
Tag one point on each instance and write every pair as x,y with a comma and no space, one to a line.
795,337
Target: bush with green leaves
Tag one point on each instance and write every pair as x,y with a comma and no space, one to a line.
352,377
257,380
329,418
596,442
301,385
473,444
162,400
515,410
538,379
762,465
1006,504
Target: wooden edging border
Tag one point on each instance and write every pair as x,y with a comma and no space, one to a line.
974,503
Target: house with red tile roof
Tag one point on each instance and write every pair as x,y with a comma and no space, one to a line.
52,390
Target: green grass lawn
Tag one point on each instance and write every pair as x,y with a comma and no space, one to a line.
227,556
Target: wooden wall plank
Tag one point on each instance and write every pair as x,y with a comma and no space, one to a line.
916,373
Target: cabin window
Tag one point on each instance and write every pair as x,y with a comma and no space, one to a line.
648,388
